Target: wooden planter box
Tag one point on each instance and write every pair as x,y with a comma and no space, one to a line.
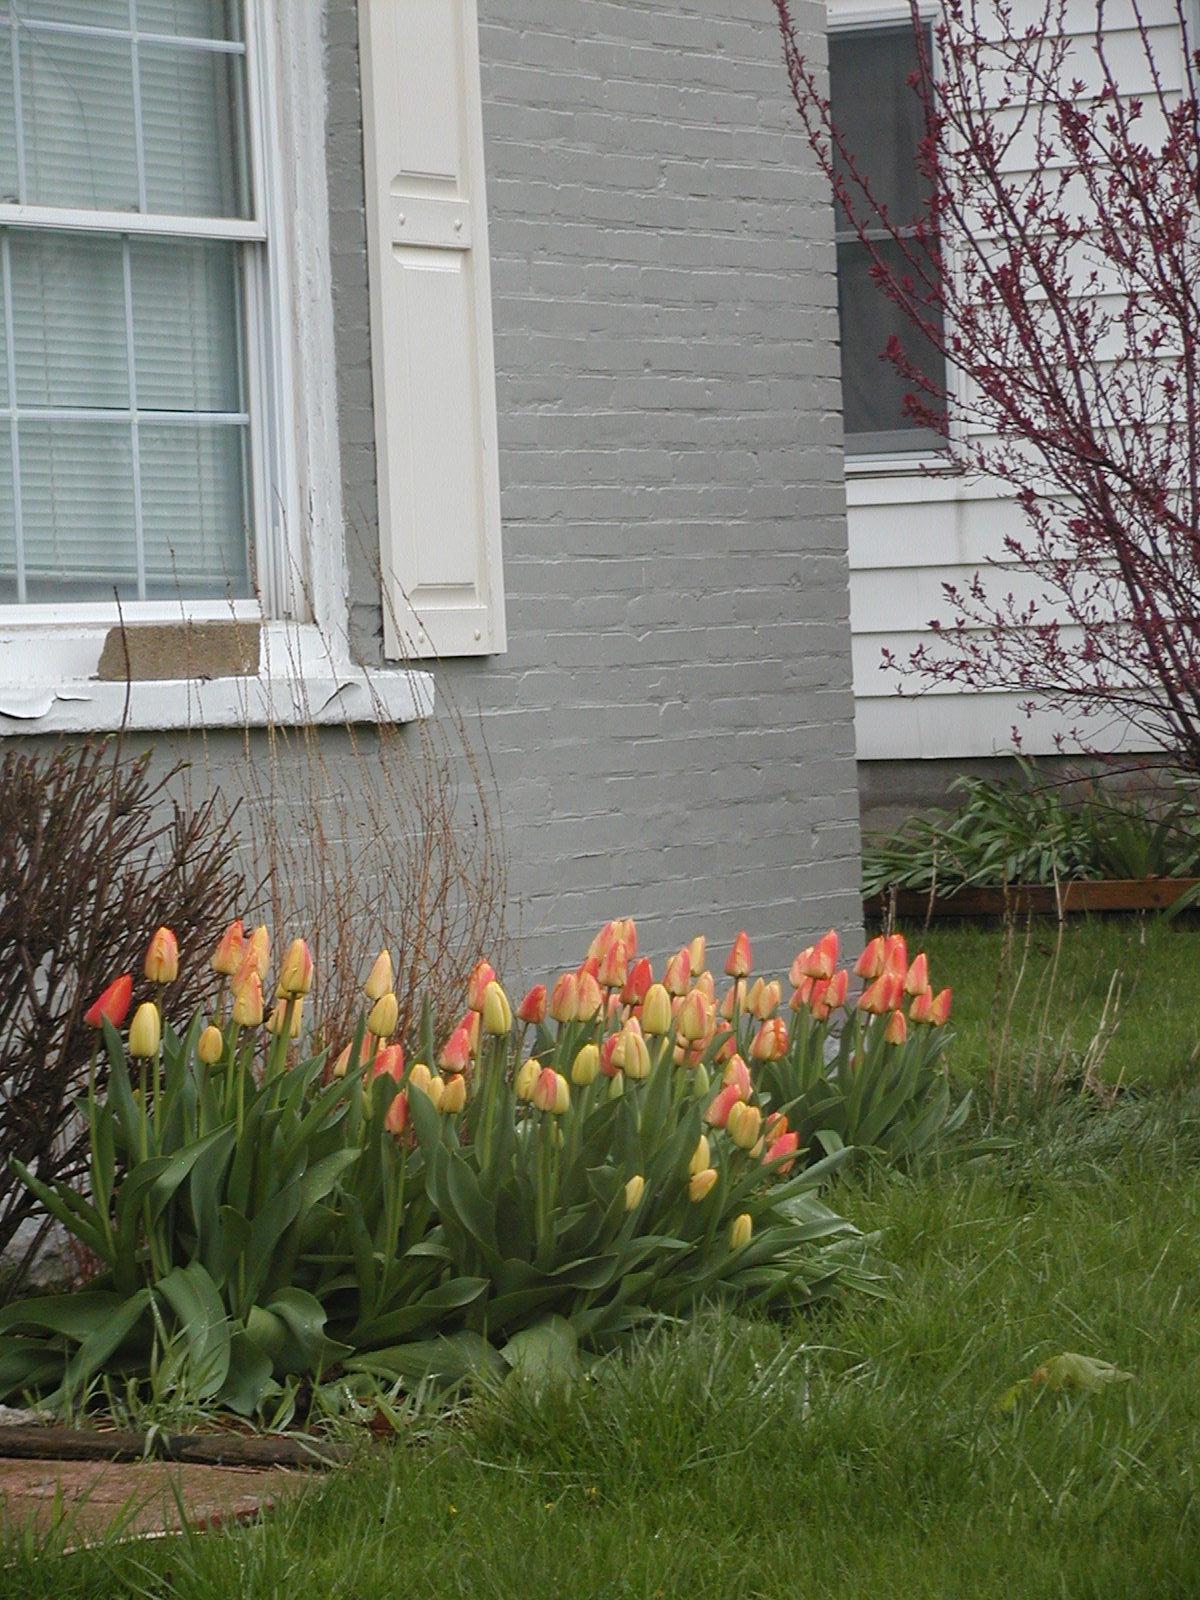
1035,899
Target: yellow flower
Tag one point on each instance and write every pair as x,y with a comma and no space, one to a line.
145,1031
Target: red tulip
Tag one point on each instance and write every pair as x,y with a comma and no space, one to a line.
677,979
870,964
456,1052
481,975
533,1007
722,1104
113,1003
390,1060
783,1149
637,984
737,962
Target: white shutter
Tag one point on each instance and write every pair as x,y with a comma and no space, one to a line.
431,328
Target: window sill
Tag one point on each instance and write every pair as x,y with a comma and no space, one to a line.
301,683
897,466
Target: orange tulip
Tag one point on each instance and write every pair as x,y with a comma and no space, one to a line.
390,1060
722,1104
737,962
396,1117
614,966
551,1093
112,1003
771,1041
677,979
481,975
896,1031
939,1010
783,1150
589,1000
533,1007
162,957
695,1019
248,999
296,974
738,1074
637,984
227,957
870,964
455,1054
257,949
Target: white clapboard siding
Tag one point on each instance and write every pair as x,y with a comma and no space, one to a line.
431,328
910,532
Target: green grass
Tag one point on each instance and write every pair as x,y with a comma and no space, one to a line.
858,1453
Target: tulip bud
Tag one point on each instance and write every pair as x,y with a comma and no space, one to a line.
497,1013
700,1184
835,994
296,974
635,1051
588,1000
918,974
381,979
145,1031
603,941
740,1230
696,953
695,1019
586,1066
734,999
279,1020
612,1056
533,1007
771,1041
525,1078
162,957
396,1117
628,934
939,1010
656,1011
737,962
884,995
551,1092
257,949
737,1073
744,1125
342,1065
616,1087
870,964
677,979
482,973
112,1003
783,1150
227,957
896,1031
723,1102
564,998
700,1083
435,1091
614,965
210,1046
753,996
589,967
700,1157
390,1060
454,1096
455,1054
384,1016
895,956
248,1000
637,984
634,1190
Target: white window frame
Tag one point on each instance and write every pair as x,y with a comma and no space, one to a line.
844,16
49,653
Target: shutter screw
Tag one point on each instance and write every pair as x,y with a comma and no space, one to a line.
458,224
401,219
478,635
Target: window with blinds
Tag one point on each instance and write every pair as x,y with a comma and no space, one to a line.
880,118
127,232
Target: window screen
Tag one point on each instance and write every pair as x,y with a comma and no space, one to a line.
124,416
881,120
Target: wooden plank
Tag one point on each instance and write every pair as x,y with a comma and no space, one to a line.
199,1449
1031,899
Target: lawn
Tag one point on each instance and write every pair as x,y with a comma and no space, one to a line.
861,1452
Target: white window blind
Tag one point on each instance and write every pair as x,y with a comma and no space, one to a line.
126,236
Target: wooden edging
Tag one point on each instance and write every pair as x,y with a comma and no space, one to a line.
198,1449
1033,899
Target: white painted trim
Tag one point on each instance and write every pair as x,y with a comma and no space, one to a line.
101,614
66,219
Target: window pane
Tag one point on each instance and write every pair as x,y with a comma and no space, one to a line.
77,111
199,19
193,509
185,314
77,510
69,320
879,115
195,158
8,136
8,544
100,13
872,389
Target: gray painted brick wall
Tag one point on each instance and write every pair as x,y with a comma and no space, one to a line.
671,727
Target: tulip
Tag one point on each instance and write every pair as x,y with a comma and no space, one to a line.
589,967
870,964
825,954
783,1150
279,1018
607,936
564,998
737,962
482,973
656,1010
634,1190
740,1230
737,1073
700,1081
420,1077
296,974
835,995
533,1007
727,1045
210,1046
454,1096
677,979
753,996
381,979
145,1031
257,949
589,1000
389,1061
635,1054
112,1003
162,957
469,1023
734,999
342,1065
801,994
895,956
614,966
248,999
610,1051
744,1125
884,995
551,1092
612,1006
637,984
771,1041
384,1016
497,1013
896,1031
436,1092
525,1078
918,975
395,1119
586,1066
227,957
627,931
722,1104
695,1020
939,1010
700,1184
455,1054
700,1157
696,952
775,1126
707,987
